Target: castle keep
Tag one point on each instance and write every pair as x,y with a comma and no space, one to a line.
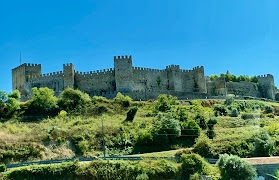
137,82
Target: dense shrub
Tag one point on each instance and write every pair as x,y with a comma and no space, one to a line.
12,107
73,101
203,146
250,116
101,170
234,168
182,114
268,109
15,94
164,102
2,168
190,129
264,145
210,124
125,101
220,110
229,100
235,112
131,113
19,152
166,130
183,151
43,102
270,115
193,163
81,144
200,119
241,148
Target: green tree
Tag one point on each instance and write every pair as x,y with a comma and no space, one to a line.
3,99
43,101
212,77
12,106
15,94
235,112
166,129
200,119
193,163
264,145
125,101
73,101
203,146
210,124
234,168
190,129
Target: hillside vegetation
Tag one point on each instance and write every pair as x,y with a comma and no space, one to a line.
70,126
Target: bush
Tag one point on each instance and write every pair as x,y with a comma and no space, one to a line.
194,163
200,119
210,124
166,129
125,101
62,113
143,176
264,145
241,148
190,129
270,115
131,113
229,100
43,102
234,168
203,146
220,110
268,109
182,114
15,94
73,101
235,112
12,106
183,151
2,168
164,102
246,116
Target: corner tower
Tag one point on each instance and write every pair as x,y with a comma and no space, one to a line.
266,86
123,73
22,73
69,75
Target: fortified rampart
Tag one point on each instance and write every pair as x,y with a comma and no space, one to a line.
137,82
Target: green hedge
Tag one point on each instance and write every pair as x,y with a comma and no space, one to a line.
101,170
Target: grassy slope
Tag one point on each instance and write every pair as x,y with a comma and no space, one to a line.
16,133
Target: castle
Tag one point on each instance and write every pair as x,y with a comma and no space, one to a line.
137,82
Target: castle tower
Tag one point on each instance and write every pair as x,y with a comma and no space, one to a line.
266,86
21,75
69,75
200,83
123,73
174,78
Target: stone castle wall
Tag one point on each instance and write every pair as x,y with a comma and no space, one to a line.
137,82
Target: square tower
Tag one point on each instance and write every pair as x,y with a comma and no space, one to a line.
123,73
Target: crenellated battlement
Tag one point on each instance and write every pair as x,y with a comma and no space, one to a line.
123,57
265,76
95,73
31,65
47,75
67,65
172,66
147,69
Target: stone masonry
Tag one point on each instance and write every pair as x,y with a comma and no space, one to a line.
137,82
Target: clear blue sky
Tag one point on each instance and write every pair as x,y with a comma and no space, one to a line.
241,36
